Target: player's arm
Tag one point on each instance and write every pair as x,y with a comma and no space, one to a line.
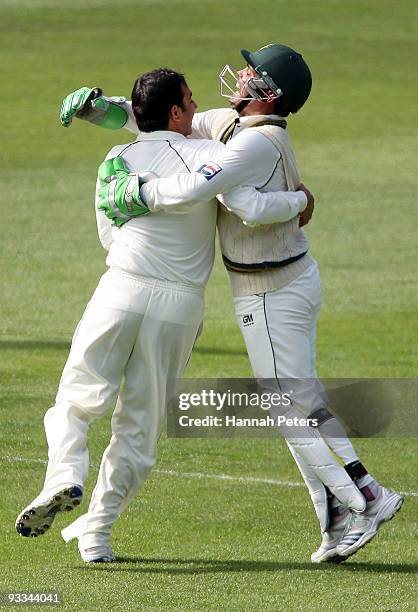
203,124
115,184
104,224
119,198
116,112
258,208
91,105
248,160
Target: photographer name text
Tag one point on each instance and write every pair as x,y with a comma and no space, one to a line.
234,421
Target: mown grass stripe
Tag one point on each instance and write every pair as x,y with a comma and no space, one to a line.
227,477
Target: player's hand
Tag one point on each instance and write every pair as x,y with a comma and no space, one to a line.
306,215
78,103
118,193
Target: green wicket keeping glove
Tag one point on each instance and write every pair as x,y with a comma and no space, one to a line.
90,104
118,193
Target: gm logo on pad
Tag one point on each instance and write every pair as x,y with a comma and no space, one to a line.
210,170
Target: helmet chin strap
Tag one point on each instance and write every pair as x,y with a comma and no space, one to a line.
241,105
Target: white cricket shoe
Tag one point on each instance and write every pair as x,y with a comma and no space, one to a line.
37,518
97,554
365,525
327,552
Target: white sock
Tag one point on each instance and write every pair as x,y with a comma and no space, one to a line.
368,486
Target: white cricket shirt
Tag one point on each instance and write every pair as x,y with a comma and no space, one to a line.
177,243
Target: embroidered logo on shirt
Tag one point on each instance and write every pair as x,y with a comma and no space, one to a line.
209,170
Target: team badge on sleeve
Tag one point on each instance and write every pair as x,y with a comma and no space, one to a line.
209,170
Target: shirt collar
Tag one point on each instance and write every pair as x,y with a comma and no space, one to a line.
160,135
248,120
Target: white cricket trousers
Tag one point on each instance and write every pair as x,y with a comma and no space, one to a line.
279,329
137,329
280,334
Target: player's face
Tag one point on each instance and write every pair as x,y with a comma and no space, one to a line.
241,85
243,77
188,111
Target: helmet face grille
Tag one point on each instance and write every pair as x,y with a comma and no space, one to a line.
257,88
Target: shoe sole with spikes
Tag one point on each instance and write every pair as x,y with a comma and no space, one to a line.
37,518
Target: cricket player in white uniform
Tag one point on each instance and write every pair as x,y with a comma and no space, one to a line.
141,323
272,276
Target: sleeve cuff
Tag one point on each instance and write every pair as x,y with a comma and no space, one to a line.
302,200
143,192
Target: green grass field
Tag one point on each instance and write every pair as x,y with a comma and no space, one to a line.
192,541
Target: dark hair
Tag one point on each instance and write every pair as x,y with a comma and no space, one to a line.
153,96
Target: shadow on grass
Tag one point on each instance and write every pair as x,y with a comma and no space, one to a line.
60,345
211,350
213,566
